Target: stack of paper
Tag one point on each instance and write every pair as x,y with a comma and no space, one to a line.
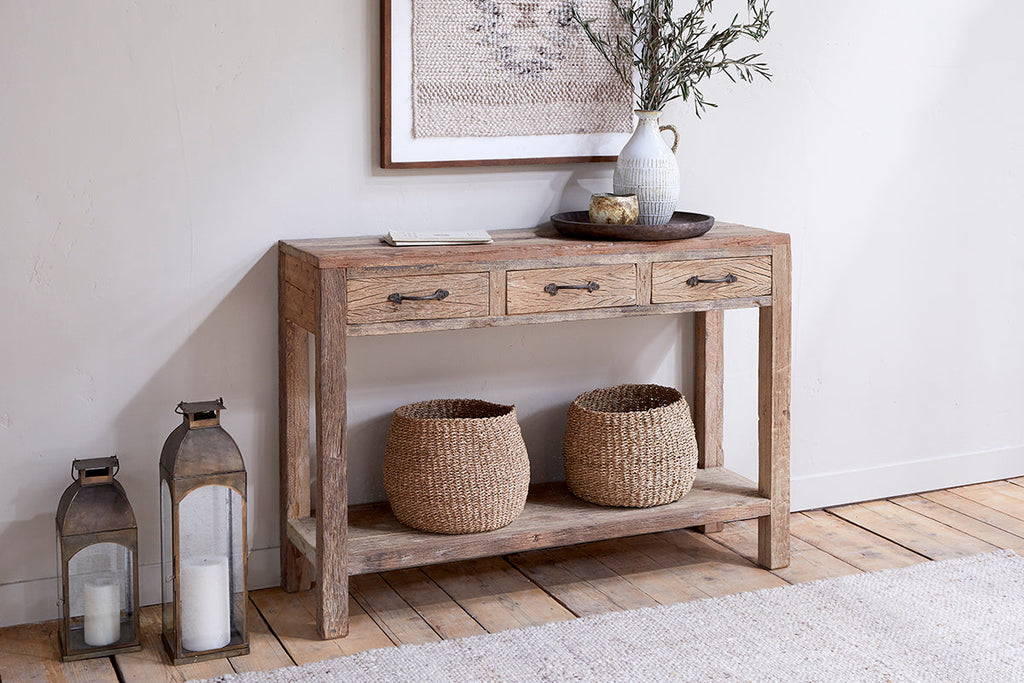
421,239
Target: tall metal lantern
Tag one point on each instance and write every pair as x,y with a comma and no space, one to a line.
203,539
97,543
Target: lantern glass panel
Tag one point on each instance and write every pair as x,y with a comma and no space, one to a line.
100,593
212,568
167,560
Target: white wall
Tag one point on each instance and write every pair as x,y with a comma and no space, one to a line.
151,154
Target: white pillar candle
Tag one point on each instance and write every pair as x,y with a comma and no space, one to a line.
102,611
205,604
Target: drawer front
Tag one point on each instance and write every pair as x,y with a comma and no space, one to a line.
731,278
569,289
468,296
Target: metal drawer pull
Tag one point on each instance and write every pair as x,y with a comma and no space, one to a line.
696,280
436,296
552,289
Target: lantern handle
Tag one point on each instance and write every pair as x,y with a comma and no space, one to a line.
181,411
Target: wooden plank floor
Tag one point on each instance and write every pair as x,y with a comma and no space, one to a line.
493,594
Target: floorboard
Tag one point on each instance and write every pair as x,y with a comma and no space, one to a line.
580,581
627,558
704,564
445,616
291,618
976,510
265,650
496,594
392,614
912,530
997,495
473,597
963,522
1007,488
807,562
151,664
32,653
863,549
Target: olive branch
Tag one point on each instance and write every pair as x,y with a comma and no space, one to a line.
672,56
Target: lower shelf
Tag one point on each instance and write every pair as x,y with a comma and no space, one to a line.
553,517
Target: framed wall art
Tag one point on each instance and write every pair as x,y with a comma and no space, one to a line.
497,82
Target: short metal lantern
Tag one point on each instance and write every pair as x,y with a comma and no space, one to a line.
203,539
97,543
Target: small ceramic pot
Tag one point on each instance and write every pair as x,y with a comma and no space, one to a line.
614,209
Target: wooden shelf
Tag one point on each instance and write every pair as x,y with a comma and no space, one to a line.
553,517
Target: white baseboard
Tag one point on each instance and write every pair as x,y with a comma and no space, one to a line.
27,602
903,478
30,601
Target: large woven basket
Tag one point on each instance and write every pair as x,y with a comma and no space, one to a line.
456,466
632,446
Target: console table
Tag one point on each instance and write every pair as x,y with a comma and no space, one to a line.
336,288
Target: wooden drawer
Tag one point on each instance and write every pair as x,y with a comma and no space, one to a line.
542,290
675,281
467,297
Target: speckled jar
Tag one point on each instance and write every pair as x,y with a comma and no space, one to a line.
647,167
614,209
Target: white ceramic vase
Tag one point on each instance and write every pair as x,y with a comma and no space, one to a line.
647,167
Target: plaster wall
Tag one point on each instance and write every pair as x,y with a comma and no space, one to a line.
151,155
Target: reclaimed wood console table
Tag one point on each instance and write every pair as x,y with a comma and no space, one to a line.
336,288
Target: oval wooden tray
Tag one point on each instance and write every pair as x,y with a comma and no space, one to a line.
682,225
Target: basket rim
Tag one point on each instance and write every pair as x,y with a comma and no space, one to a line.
676,401
502,410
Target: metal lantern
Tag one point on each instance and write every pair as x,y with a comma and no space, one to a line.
203,538
97,543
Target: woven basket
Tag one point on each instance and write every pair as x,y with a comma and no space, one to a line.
456,466
631,446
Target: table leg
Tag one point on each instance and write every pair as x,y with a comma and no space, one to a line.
708,400
332,479
774,359
293,368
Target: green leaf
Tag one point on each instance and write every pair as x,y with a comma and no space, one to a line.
670,56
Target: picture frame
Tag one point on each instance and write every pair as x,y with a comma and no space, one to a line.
401,150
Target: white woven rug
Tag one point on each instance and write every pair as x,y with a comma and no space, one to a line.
957,620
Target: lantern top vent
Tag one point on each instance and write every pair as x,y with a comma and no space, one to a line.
93,471
200,446
201,414
95,502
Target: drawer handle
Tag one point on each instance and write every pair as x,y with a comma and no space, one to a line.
436,296
696,280
552,289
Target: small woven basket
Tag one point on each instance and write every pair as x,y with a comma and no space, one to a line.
456,466
631,446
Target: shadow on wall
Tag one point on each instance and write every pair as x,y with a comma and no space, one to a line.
33,538
231,353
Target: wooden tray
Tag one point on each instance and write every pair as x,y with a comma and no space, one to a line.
681,226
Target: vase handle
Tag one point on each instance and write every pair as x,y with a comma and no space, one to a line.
675,134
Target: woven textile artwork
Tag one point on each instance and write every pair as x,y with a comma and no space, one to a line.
484,68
